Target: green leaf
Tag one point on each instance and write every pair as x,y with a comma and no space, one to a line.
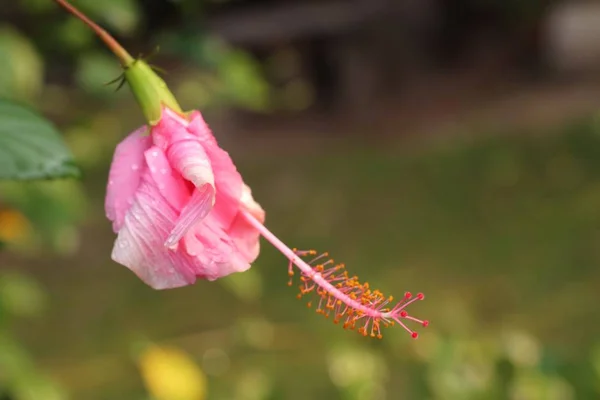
30,146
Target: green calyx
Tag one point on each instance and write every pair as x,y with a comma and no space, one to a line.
150,90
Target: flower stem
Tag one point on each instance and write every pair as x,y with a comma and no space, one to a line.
122,54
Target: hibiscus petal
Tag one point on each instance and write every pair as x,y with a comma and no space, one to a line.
232,194
183,149
228,181
170,183
194,211
217,253
248,203
214,251
187,156
169,124
200,128
244,235
124,176
139,245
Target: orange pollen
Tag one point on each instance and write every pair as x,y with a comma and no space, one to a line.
353,304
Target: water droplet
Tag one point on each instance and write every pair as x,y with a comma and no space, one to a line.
152,169
135,167
155,153
123,243
111,182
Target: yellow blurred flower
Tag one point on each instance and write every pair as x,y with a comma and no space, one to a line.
170,374
14,226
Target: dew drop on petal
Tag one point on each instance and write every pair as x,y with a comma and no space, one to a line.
155,153
123,243
135,167
137,216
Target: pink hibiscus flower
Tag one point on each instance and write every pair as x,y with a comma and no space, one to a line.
176,201
182,211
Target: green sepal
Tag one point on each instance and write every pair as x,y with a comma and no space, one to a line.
150,91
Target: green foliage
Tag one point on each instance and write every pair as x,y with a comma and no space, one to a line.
243,83
120,16
30,147
53,207
76,36
20,295
224,75
229,76
94,70
20,378
21,66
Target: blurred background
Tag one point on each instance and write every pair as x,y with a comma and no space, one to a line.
444,146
